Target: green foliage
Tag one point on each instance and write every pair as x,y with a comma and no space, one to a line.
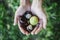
10,32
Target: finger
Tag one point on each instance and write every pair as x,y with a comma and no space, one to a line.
16,16
15,20
39,28
22,30
34,30
44,22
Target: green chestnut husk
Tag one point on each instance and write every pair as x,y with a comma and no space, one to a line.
33,20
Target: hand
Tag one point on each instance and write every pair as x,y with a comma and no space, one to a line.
36,8
24,6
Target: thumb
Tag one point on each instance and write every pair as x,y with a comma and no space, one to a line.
15,20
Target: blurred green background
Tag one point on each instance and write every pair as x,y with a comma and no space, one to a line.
10,32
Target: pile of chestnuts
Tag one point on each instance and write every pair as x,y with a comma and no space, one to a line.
29,21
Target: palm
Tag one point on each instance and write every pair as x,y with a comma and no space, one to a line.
40,13
19,12
37,10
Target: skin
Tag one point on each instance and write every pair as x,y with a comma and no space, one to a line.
35,8
24,6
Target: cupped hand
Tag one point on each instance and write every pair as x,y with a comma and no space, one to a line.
24,6
35,8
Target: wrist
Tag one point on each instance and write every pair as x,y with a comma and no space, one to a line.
24,2
37,3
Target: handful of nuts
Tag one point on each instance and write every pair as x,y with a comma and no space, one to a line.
28,21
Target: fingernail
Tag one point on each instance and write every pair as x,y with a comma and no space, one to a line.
35,33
